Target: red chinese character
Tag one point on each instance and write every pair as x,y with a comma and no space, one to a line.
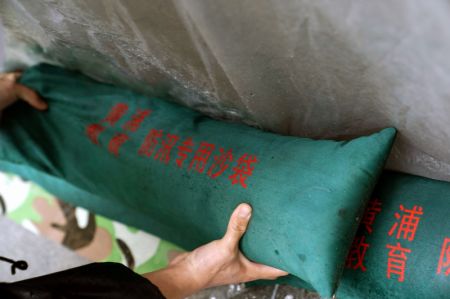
408,223
357,252
243,170
201,156
116,142
115,114
136,120
150,142
163,153
93,131
444,259
221,162
371,212
397,261
183,151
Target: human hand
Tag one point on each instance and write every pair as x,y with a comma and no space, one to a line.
11,91
216,263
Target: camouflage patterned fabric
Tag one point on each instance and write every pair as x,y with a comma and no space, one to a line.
92,236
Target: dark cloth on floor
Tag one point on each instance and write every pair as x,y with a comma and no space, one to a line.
97,280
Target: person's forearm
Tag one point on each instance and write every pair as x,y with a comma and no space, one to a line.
174,282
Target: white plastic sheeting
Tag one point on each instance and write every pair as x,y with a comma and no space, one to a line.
2,48
323,69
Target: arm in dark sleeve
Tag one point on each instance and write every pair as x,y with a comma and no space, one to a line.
98,280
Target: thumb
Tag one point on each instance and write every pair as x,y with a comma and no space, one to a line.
30,96
237,225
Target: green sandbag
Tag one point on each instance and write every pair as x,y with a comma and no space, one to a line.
402,249
186,172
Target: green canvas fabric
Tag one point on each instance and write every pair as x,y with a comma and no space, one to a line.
402,249
179,174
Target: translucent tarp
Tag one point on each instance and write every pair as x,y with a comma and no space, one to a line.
324,69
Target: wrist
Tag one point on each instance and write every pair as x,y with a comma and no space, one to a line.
176,281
